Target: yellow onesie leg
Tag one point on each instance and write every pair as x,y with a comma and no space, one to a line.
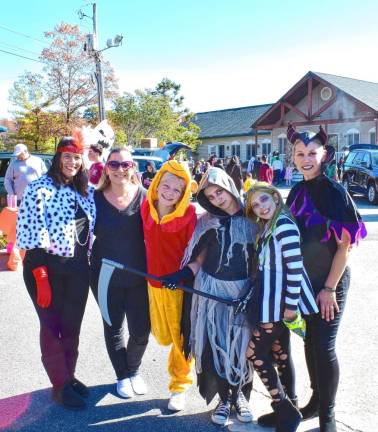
165,313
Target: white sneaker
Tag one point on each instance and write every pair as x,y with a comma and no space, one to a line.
124,388
138,385
243,410
221,414
177,401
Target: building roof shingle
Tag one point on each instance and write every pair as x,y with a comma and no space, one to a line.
229,122
364,91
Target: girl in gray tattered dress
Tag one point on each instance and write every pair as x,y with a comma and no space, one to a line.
221,256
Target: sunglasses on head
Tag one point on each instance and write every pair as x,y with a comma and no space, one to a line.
114,165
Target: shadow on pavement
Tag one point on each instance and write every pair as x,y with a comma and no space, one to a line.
35,411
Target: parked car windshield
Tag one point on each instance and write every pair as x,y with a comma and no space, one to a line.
374,158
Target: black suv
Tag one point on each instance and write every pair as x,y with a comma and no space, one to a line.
360,172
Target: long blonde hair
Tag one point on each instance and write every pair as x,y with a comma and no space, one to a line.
281,208
104,181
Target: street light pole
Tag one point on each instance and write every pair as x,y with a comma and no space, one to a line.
98,64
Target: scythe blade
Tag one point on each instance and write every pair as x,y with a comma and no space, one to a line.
103,286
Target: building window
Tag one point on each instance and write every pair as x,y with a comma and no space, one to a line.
235,150
352,137
212,150
249,150
282,145
266,148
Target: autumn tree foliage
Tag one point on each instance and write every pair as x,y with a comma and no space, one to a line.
69,71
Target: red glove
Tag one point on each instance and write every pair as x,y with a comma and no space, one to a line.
43,286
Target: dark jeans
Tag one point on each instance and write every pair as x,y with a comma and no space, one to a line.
131,302
60,323
320,342
276,176
271,346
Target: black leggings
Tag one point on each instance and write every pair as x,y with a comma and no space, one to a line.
131,301
270,345
60,323
321,359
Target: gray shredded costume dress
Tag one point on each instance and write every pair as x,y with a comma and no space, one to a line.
218,337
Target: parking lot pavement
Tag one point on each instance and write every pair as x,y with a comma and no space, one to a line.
25,403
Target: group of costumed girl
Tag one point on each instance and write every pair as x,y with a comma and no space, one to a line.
289,261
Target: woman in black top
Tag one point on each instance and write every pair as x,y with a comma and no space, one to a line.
55,226
148,175
329,224
119,237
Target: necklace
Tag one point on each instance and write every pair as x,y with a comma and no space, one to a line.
76,234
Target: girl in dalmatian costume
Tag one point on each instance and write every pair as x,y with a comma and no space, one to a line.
55,226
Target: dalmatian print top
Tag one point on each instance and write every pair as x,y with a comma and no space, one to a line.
46,218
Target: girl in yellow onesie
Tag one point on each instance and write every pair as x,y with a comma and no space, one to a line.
168,223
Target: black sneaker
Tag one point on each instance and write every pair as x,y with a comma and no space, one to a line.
221,413
79,387
243,410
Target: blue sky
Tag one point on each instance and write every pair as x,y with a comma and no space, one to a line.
224,53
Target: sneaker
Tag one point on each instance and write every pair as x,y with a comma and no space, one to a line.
138,385
124,388
79,387
177,401
243,410
221,413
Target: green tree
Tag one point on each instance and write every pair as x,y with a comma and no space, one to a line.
148,114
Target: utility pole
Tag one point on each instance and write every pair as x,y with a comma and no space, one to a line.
98,73
91,46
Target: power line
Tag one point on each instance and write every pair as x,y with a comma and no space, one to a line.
22,34
18,48
18,55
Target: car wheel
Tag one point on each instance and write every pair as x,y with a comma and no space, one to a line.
372,194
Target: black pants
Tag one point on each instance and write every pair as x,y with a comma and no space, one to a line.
132,302
321,358
271,346
276,176
60,323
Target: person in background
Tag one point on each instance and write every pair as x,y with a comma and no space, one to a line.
233,169
340,168
197,172
22,171
250,165
256,168
95,156
277,167
148,175
289,175
119,237
265,172
330,224
55,225
248,182
331,169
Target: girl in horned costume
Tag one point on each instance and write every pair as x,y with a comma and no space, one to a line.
329,224
221,256
55,225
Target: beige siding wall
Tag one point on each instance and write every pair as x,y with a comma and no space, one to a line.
204,149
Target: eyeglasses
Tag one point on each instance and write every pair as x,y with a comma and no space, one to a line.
114,165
